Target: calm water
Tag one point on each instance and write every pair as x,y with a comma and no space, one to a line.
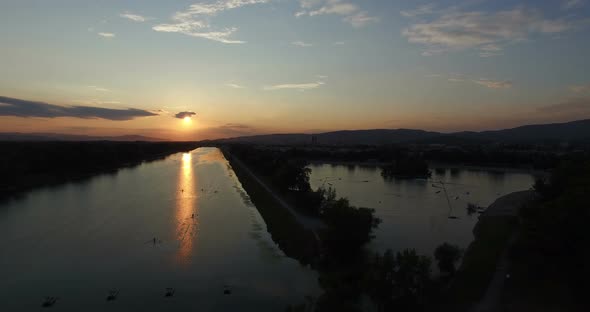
413,214
78,241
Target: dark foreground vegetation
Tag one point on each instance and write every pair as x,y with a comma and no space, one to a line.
351,276
551,257
547,243
27,165
526,156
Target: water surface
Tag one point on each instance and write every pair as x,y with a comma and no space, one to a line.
414,213
78,241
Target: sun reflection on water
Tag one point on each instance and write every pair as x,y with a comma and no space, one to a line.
186,209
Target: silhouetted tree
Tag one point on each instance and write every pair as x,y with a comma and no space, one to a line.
446,256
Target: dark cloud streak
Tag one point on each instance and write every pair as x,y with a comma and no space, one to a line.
182,115
24,108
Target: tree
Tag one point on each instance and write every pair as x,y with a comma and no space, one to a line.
446,255
399,281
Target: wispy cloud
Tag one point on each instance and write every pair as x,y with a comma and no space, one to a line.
494,84
24,108
134,17
580,89
489,83
351,12
97,102
295,86
421,10
571,4
235,86
484,31
100,89
301,44
106,35
575,108
194,21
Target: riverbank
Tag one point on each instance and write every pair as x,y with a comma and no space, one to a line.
478,282
433,165
25,166
296,238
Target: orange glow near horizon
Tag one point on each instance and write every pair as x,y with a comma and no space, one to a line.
186,210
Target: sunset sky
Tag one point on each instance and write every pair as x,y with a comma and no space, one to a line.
240,67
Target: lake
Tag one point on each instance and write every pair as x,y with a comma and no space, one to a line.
79,240
414,213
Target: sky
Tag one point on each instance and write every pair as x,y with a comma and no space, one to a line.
243,67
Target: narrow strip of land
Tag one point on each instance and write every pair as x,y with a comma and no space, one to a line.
505,206
309,223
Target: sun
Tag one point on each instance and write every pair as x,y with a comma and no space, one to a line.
187,119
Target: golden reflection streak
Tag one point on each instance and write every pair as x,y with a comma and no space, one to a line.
186,209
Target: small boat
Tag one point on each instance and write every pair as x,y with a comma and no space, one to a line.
169,292
453,217
49,302
226,290
437,192
113,293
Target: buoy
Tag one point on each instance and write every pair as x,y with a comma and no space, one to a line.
169,292
112,295
49,302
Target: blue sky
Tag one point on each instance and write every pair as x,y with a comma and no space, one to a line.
259,66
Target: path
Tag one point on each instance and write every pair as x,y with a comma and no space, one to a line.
309,223
507,205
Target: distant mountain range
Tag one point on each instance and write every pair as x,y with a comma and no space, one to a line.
575,131
15,136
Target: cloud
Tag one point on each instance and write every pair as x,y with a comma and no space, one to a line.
360,19
97,102
106,35
235,86
24,108
194,21
227,131
295,86
351,12
580,89
301,44
100,89
489,83
339,43
487,32
575,108
571,4
494,84
421,10
134,17
182,115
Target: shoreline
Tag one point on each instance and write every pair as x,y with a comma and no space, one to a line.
480,276
49,179
433,165
293,237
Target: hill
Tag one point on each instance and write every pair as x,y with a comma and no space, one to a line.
572,132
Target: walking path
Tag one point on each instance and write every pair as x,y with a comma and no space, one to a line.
507,205
309,223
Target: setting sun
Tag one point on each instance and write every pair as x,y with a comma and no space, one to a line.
187,119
